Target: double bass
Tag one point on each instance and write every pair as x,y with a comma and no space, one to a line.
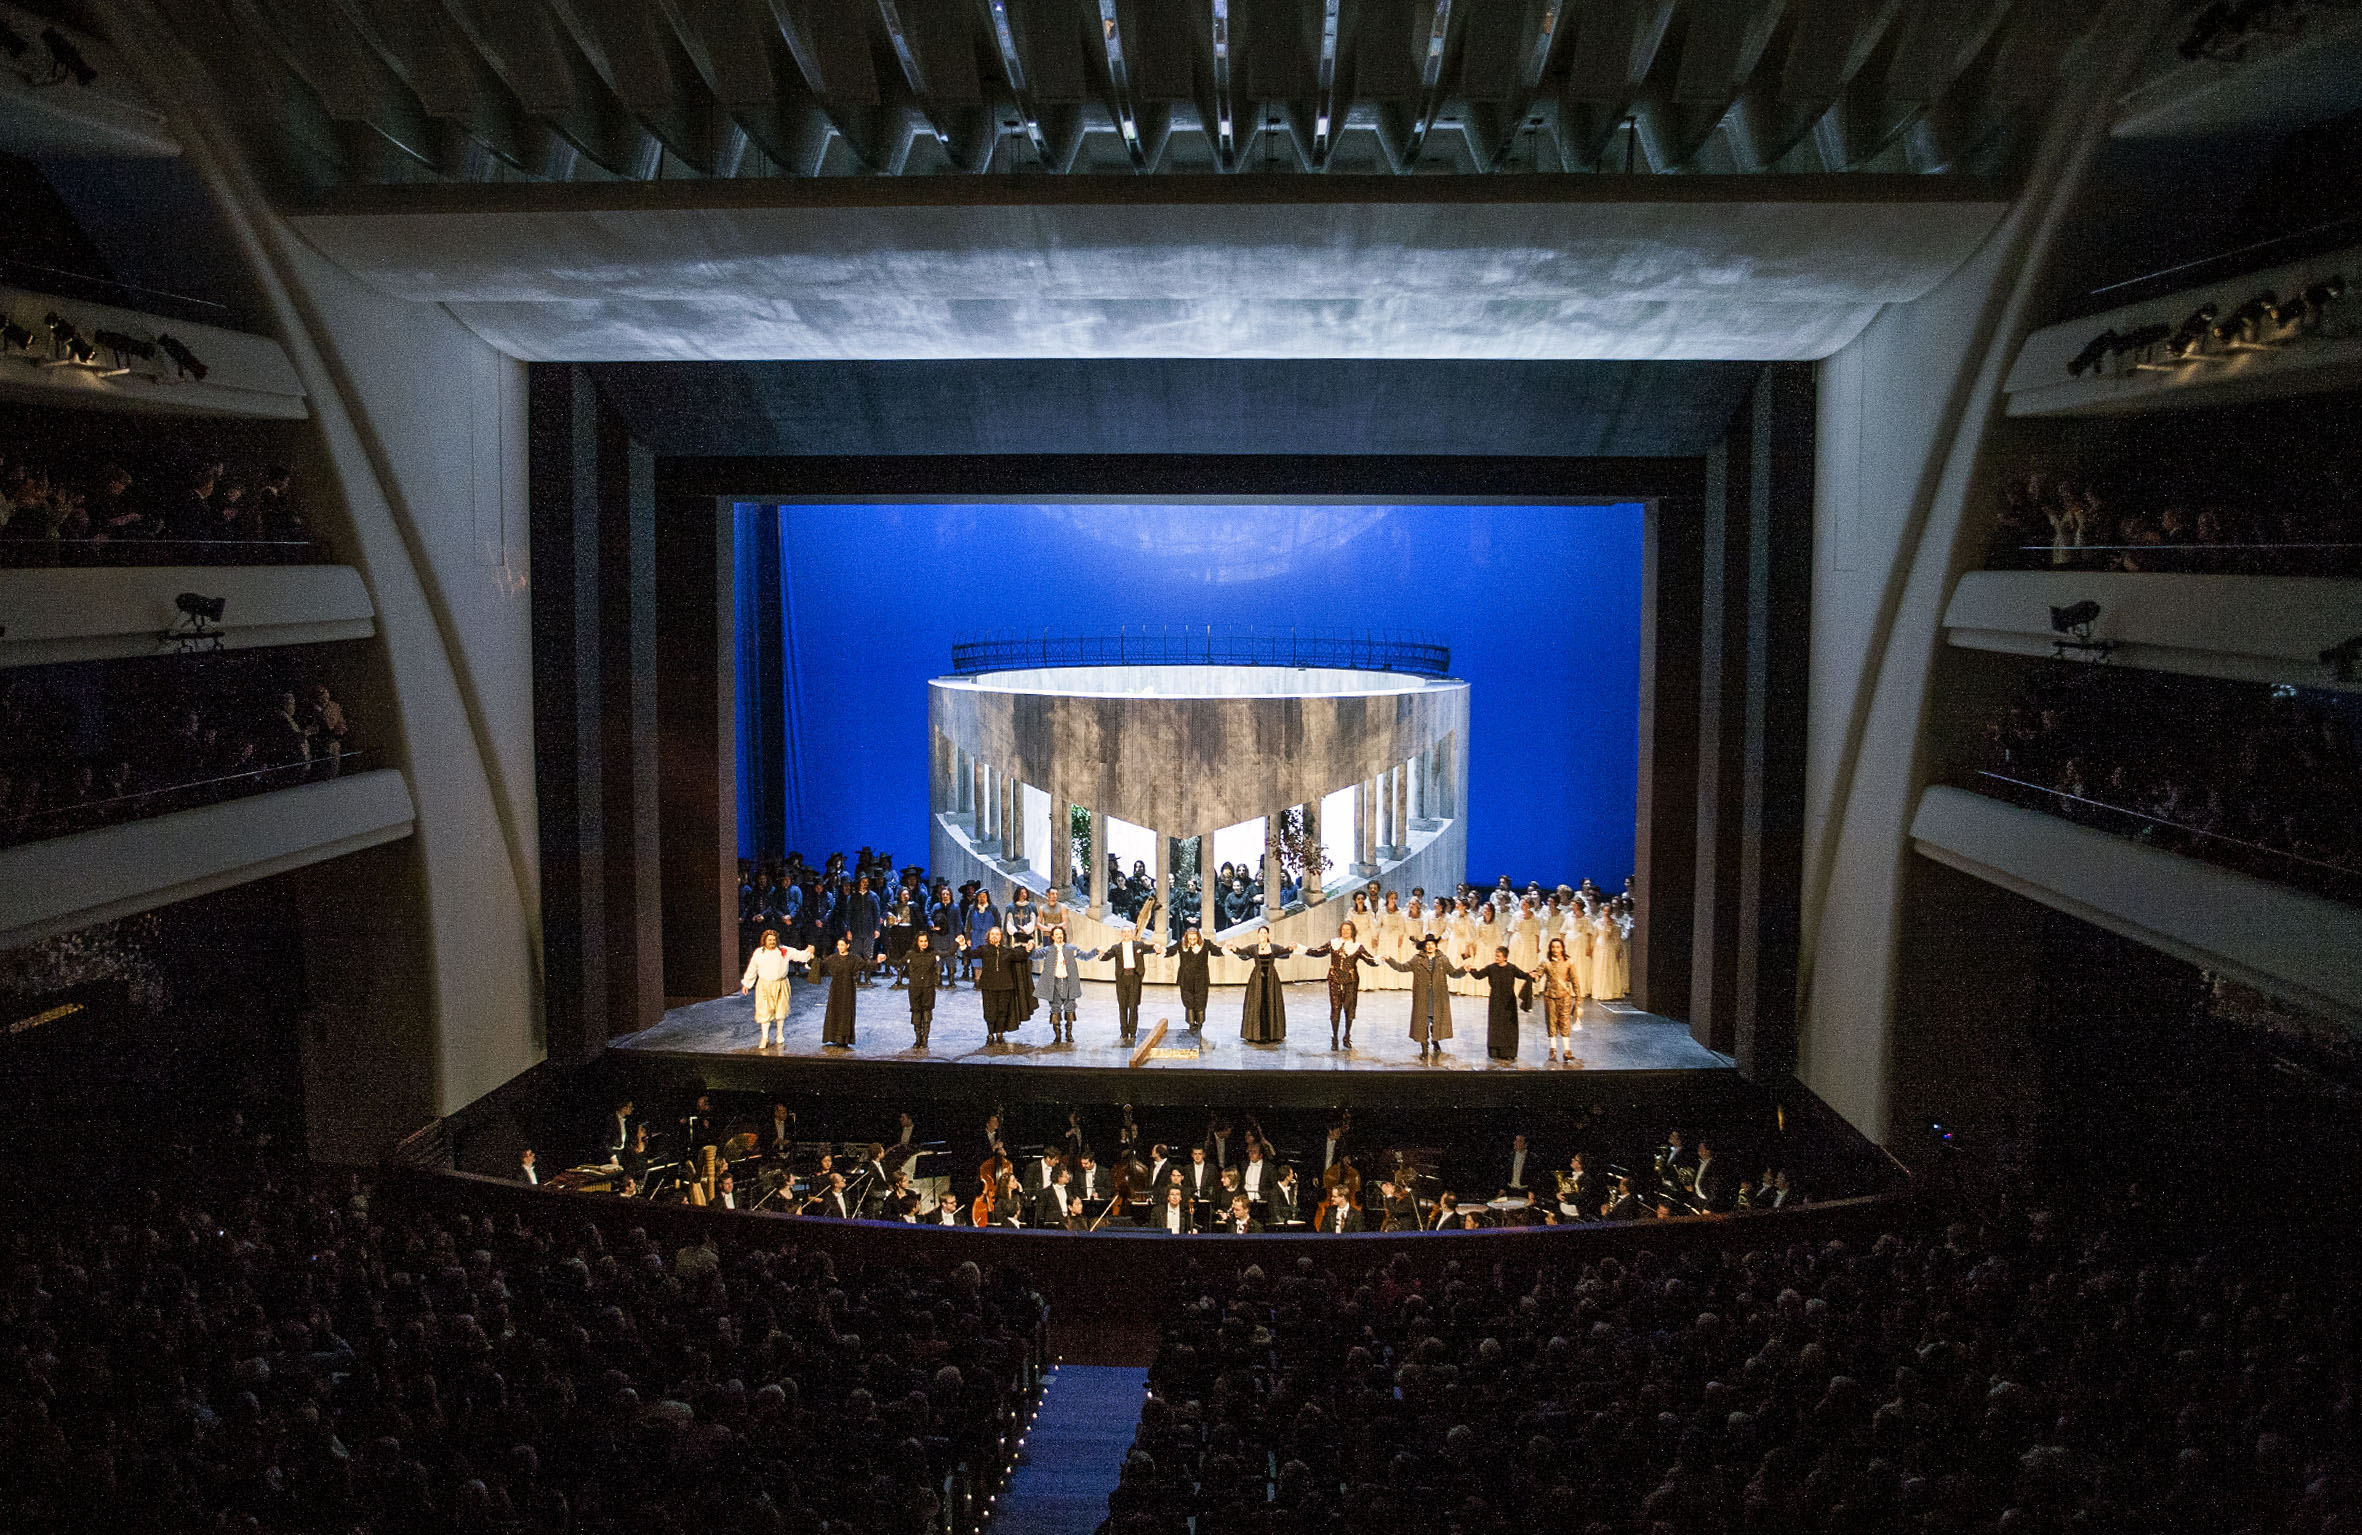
1131,1182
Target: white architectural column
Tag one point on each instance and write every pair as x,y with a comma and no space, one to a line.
1402,809
1206,921
1365,829
1315,885
1419,810
1096,864
1389,830
1271,864
1013,832
1161,869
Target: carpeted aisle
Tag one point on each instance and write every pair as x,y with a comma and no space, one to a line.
1073,1453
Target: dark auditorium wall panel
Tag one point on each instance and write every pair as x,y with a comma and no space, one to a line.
696,703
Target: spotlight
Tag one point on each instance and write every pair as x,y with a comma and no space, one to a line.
193,633
66,59
199,608
2342,657
65,342
124,346
184,361
2072,624
14,337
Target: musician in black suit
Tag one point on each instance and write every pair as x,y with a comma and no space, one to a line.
779,1140
1447,1213
1240,1220
833,1201
1131,957
1056,1202
1577,1187
1338,1216
1709,1189
526,1172
726,1193
1041,1171
619,1130
1174,1216
1520,1170
1221,1145
634,1159
1398,1206
1285,1207
1624,1204
1090,1179
1160,1165
1201,1175
701,1126
1009,1208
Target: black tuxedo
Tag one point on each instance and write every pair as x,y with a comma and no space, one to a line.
1341,1218
1157,1213
1203,1180
837,1205
1158,1171
1224,1152
1229,1225
1045,1206
1128,979
1090,1183
1285,1209
1036,1176
1712,1188
1533,1176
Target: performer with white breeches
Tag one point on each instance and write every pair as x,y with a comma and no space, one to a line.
766,977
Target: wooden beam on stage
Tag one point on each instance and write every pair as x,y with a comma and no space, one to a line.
1156,1037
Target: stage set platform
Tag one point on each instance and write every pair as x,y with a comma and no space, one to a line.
718,1040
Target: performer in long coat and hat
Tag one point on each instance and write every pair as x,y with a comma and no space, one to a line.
1264,1020
1431,996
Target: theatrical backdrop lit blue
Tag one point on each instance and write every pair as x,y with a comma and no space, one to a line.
1541,606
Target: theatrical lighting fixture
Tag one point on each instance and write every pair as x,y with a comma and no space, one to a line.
65,58
2072,624
14,337
184,361
124,347
2342,657
193,632
67,344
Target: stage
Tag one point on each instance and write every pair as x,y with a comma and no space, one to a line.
717,1039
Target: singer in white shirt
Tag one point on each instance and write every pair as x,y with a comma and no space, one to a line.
766,977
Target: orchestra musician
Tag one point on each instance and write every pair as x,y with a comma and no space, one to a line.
726,1192
1283,1208
780,1139
1056,1205
1447,1212
1200,1176
829,1198
634,1158
1337,1215
1175,1216
1398,1206
1240,1218
1090,1180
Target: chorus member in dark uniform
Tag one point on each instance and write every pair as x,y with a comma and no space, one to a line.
1346,954
844,970
924,973
1431,996
1500,1011
1131,956
1263,1019
865,920
978,921
902,922
1174,1216
998,969
1191,973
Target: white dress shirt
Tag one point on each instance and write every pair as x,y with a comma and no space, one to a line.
1253,1180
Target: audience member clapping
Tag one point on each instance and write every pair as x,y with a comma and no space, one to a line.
55,510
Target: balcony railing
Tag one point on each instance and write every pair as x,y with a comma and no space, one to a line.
108,807
2276,864
32,552
1368,650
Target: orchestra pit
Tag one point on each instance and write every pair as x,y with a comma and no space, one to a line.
1180,767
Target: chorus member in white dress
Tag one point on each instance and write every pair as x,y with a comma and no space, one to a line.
1391,936
1489,935
1525,939
1577,934
1417,922
766,977
1610,965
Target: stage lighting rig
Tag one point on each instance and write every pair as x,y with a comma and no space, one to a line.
14,337
125,349
2072,624
184,362
195,631
66,344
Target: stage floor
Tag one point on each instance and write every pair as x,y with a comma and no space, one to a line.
1614,1036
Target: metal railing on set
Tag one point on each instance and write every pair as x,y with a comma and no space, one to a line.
1364,650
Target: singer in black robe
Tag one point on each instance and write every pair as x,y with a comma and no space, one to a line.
1264,1019
1191,974
1500,1014
844,970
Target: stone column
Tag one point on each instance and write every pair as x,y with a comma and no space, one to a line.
1315,885
988,807
1402,807
1271,865
1013,837
1205,886
1386,828
1096,863
1160,869
1365,815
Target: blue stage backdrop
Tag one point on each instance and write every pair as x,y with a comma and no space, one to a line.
1541,606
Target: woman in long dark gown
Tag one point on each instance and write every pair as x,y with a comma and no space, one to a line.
1264,1020
1192,975
843,969
1500,1013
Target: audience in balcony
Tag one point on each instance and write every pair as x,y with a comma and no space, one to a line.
89,745
262,1347
2051,521
2016,1380
58,510
2263,779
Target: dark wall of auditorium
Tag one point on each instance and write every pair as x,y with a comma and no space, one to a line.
1541,605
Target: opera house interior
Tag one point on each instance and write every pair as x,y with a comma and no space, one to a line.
1653,708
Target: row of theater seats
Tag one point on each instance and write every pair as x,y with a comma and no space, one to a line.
249,1344
1944,1381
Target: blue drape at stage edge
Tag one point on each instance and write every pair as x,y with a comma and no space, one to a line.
1541,605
